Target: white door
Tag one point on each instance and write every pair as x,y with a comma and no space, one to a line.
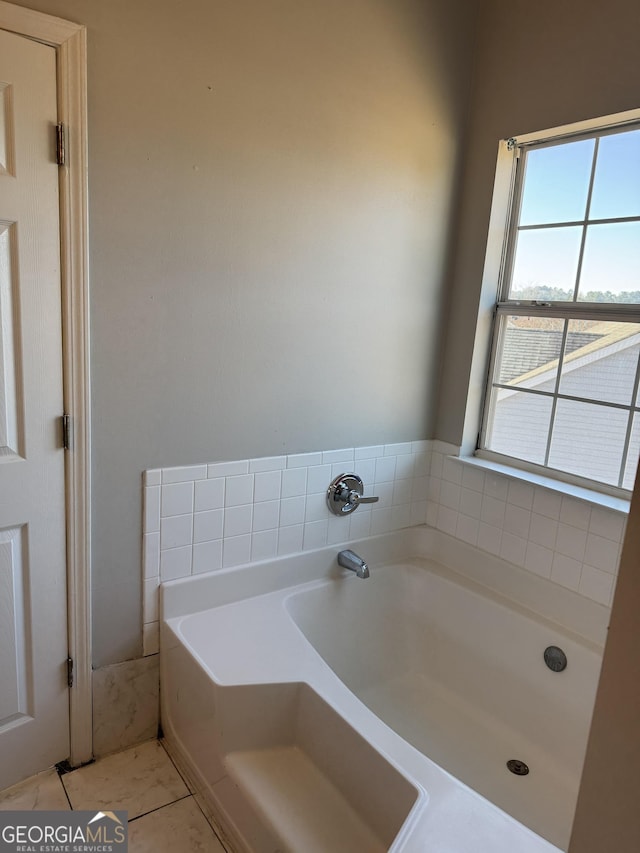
34,701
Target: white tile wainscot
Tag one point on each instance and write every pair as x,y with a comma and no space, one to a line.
200,518
567,539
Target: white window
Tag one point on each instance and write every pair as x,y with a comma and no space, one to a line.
563,394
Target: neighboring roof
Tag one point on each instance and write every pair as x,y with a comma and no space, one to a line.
526,349
601,340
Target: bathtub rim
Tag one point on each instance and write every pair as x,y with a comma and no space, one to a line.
562,609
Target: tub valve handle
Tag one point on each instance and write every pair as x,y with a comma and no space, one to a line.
346,493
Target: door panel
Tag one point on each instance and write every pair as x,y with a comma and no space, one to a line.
34,708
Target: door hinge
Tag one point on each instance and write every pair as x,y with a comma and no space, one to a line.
61,145
67,432
69,672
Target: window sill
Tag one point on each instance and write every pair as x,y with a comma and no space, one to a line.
588,495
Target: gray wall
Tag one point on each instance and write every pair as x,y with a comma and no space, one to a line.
271,192
538,66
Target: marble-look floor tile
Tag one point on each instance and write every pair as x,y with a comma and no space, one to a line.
125,704
138,780
43,791
180,826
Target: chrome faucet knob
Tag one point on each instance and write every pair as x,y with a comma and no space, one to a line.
345,494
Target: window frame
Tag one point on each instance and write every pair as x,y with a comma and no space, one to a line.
506,208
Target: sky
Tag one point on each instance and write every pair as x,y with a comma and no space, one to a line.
555,191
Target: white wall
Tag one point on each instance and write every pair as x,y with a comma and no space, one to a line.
271,191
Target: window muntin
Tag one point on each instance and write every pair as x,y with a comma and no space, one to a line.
563,388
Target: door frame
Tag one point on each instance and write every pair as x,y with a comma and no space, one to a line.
69,41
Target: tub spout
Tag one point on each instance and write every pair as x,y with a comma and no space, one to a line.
349,560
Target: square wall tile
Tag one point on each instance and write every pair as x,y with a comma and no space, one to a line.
239,490
418,512
421,464
513,548
420,488
337,530
450,494
236,550
571,541
574,512
209,494
366,470
404,466
538,559
266,515
207,556
467,529
359,524
566,571
267,486
452,470
316,507
292,511
381,520
543,530
447,520
496,486
470,502
472,478
521,494
175,531
516,521
177,499
597,585
385,469
492,512
315,534
237,520
602,553
606,523
437,461
264,544
290,539
208,525
294,482
489,538
547,502
175,563
318,479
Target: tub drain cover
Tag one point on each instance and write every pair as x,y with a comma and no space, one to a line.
555,658
517,767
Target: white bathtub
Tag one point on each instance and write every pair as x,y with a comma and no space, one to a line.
398,692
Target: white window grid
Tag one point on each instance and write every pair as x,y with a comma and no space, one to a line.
565,311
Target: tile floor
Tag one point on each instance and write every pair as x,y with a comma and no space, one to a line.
164,817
